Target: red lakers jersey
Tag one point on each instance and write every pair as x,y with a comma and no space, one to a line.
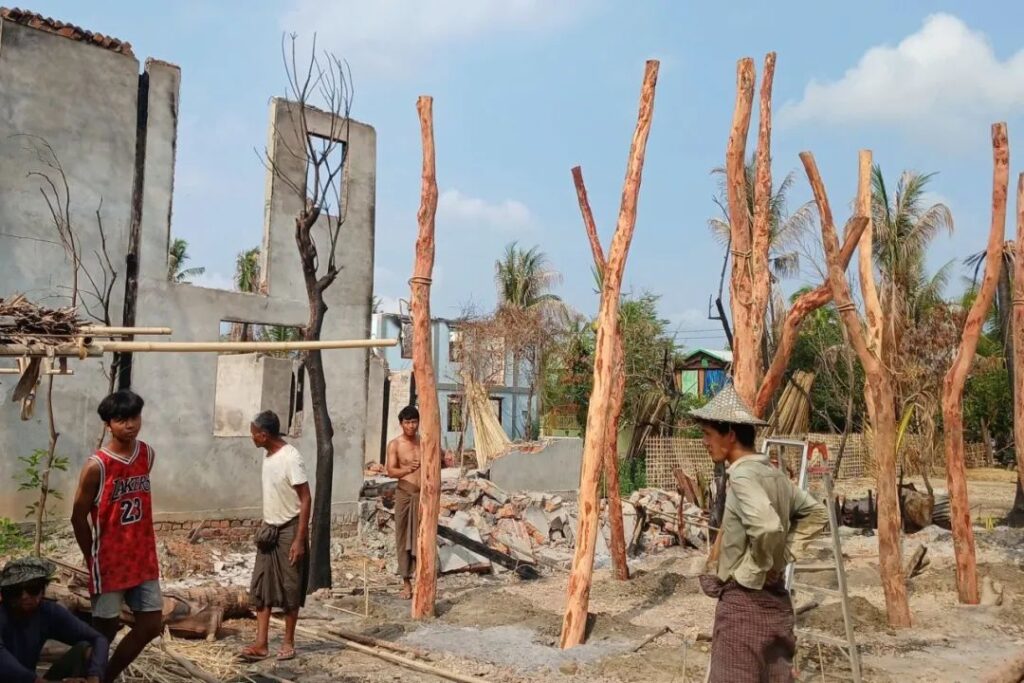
124,544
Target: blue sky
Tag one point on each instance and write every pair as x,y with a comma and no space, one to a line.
525,89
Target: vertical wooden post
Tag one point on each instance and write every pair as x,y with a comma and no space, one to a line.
620,567
574,623
878,394
762,230
746,349
1017,318
956,377
425,585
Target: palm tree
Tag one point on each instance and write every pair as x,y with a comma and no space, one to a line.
177,254
247,279
903,229
524,278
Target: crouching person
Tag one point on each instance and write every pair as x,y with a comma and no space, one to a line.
281,574
28,620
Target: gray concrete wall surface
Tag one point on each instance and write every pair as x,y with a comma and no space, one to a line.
83,99
556,467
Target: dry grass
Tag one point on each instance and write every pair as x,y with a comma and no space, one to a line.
992,474
155,666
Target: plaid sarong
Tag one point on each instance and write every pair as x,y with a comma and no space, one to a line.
753,640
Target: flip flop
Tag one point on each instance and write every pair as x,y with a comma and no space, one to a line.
250,654
285,654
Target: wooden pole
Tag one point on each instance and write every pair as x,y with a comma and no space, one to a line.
762,231
103,330
878,392
100,348
1017,318
956,378
806,304
425,587
620,566
746,346
575,621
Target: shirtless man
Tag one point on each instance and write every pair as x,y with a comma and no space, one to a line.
403,463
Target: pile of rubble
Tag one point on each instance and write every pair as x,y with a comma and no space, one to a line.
532,527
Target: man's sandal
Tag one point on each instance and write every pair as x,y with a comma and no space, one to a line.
285,654
249,653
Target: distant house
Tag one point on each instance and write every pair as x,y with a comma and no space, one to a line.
703,372
511,407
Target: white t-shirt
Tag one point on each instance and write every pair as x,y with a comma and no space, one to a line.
281,472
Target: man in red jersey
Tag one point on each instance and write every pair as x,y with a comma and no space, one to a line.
113,523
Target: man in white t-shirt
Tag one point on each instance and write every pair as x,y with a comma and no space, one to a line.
281,574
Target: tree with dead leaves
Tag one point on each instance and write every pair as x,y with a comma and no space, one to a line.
867,342
956,377
325,82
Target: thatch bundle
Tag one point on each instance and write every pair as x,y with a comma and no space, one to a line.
23,322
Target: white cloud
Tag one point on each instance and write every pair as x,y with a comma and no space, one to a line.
691,318
944,78
388,36
214,280
507,215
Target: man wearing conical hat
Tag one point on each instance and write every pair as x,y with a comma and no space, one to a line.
767,522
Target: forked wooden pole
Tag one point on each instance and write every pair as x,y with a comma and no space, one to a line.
1017,318
806,304
617,546
956,377
425,587
878,391
574,623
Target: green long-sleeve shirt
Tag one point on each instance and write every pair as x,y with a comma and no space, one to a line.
768,522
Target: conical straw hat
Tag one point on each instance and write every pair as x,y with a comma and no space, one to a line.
727,407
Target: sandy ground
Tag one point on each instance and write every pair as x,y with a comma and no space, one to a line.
502,629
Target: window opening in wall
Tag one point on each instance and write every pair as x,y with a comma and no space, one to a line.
496,407
248,383
406,339
454,345
455,417
331,154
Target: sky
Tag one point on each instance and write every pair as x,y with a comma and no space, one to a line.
525,89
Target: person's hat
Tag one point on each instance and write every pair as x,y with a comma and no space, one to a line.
727,407
24,570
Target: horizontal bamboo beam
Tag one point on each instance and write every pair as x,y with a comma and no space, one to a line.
102,331
97,349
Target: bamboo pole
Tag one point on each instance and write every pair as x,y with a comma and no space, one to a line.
878,392
99,348
806,304
102,330
746,347
575,620
1017,323
425,586
617,546
956,378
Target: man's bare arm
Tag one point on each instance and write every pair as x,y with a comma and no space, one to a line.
298,548
85,496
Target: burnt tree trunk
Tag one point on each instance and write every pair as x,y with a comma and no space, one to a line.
617,546
878,392
574,623
320,532
956,378
425,587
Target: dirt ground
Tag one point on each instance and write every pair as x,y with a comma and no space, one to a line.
502,629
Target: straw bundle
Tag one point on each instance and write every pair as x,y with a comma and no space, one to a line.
161,662
23,322
489,438
792,415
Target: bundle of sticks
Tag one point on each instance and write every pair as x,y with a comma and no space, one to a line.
23,322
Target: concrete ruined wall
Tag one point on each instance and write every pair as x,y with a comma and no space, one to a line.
82,101
115,133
